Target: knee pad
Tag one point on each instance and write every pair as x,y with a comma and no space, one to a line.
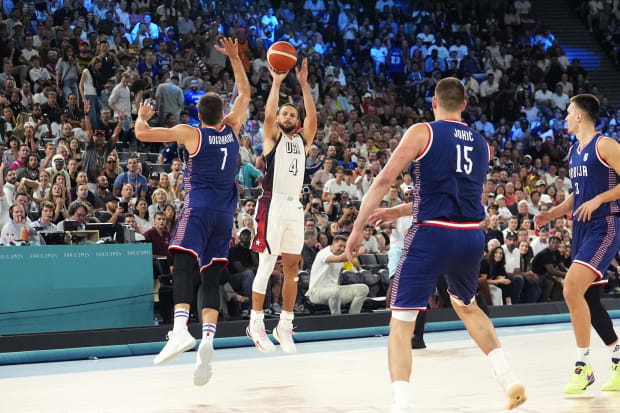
266,262
211,284
405,315
185,264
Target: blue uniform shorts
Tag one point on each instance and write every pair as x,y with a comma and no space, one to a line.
205,233
435,248
595,244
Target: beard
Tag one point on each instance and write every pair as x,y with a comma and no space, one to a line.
286,129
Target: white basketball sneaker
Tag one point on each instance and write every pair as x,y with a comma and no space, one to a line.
178,342
256,332
284,334
203,370
512,387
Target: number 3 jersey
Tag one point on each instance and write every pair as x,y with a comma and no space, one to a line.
210,172
449,174
285,166
590,176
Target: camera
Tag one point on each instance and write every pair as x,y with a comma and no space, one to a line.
338,196
316,205
305,189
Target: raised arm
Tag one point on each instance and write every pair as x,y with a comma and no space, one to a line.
412,144
236,118
89,127
183,134
309,127
271,110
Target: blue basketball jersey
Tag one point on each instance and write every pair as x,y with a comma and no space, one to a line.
590,176
449,174
211,170
396,60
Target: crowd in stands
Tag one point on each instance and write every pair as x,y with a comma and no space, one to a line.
73,73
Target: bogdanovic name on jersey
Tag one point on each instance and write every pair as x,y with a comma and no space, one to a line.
221,140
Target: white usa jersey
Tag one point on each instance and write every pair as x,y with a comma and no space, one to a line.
285,166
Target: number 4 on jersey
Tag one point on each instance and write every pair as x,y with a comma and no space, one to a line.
293,167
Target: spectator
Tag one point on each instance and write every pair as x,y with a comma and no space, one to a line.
541,242
324,286
159,237
547,264
243,263
370,245
132,177
492,269
311,246
77,212
170,97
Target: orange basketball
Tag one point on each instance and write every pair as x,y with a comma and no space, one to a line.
282,56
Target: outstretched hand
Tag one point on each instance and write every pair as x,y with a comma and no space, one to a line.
302,73
276,75
146,111
228,47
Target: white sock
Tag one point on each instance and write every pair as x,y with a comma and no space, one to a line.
498,361
208,332
400,393
256,315
583,355
181,317
286,318
615,352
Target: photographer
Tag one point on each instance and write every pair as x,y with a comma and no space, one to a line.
314,208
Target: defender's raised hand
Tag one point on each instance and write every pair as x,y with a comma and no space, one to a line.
228,47
145,112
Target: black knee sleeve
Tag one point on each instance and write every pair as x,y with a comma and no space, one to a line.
211,285
185,264
599,317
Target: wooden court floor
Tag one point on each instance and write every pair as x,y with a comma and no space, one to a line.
451,377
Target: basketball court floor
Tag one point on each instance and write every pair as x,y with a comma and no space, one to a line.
451,375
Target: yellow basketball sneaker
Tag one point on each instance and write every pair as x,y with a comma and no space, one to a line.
613,383
580,380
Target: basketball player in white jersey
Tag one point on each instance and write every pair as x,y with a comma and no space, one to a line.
279,214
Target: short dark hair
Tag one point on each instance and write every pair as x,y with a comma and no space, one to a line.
589,104
210,108
450,93
288,104
339,238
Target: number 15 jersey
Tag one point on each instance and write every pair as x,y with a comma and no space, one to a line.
285,166
449,174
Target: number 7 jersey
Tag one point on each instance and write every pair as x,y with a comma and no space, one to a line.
210,172
449,174
285,166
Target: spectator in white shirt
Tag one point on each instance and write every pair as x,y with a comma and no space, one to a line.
370,245
120,101
559,98
541,242
324,286
335,185
12,230
489,87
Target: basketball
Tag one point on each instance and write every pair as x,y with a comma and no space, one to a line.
282,56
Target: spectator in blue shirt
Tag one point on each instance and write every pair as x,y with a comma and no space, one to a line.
137,181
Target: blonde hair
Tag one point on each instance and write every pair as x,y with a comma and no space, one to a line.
157,192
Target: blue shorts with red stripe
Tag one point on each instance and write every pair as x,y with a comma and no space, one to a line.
205,233
595,244
432,249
